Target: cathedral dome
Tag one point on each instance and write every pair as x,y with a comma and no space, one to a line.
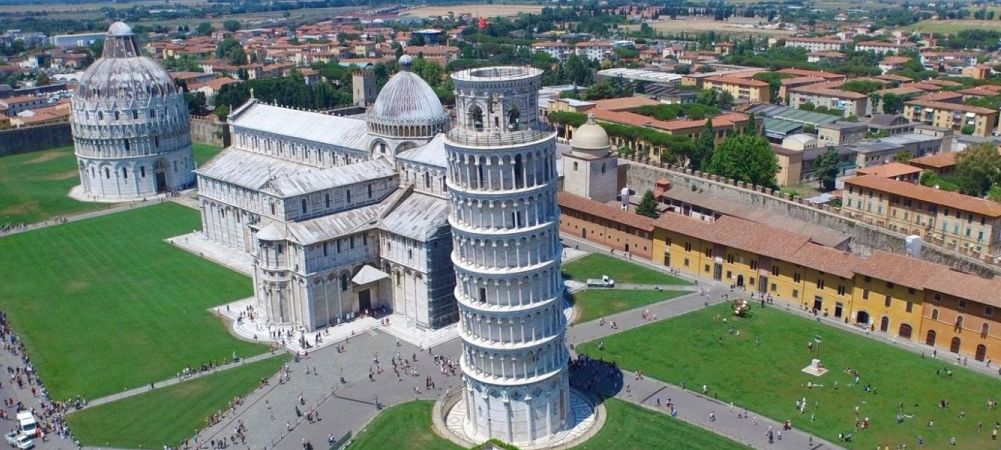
122,73
590,136
407,106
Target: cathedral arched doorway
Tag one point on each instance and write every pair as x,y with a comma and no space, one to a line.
160,174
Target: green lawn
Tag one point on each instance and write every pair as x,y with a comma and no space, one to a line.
595,265
402,427
169,415
408,426
595,303
203,153
35,186
105,305
760,368
633,427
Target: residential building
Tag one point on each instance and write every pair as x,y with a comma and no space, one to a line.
968,119
594,50
956,220
852,103
558,50
882,48
815,44
742,89
840,133
942,163
888,124
894,171
978,72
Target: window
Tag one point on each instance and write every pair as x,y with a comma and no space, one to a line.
868,279
117,115
272,209
729,259
865,294
775,270
820,283
984,329
351,242
988,311
142,171
934,314
302,203
575,166
959,321
795,293
324,249
937,297
348,192
125,173
338,245
910,306
888,301
796,277
841,289
709,251
410,253
688,246
370,187
326,200
962,304
686,262
344,282
107,173
754,264
889,285
364,240
483,295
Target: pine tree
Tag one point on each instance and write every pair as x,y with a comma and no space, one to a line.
704,147
751,126
648,205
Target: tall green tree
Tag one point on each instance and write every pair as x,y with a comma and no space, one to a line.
978,168
648,205
747,158
827,168
704,147
231,25
204,29
751,126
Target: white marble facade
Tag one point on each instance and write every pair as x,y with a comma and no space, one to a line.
502,185
344,215
131,131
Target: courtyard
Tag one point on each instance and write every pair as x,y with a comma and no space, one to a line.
105,305
756,363
34,186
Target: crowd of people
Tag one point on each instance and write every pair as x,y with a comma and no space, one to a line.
24,382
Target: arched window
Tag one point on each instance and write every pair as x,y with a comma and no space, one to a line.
512,117
117,115
934,314
954,345
930,339
125,175
519,172
905,331
107,173
344,282
128,145
302,202
475,118
959,322
984,329
427,180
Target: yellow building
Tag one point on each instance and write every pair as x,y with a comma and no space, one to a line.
951,219
747,89
956,116
888,293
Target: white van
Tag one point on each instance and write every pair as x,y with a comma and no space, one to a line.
26,422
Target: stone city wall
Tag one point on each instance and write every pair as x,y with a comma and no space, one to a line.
35,138
209,130
642,175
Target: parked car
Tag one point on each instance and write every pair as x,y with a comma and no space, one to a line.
604,281
12,438
24,441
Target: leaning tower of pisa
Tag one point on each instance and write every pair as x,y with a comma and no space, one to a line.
505,223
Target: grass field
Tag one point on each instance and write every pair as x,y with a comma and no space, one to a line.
595,265
759,369
407,426
595,303
476,9
105,305
701,24
953,26
35,186
169,415
402,427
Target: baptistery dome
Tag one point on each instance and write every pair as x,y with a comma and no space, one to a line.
590,137
407,108
131,129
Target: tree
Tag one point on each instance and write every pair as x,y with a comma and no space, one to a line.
747,158
648,205
704,147
967,129
42,79
978,168
222,112
902,156
231,25
827,168
751,127
892,103
232,50
204,29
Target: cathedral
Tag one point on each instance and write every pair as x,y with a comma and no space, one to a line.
343,215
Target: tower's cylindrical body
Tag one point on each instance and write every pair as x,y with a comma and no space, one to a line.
505,226
131,129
